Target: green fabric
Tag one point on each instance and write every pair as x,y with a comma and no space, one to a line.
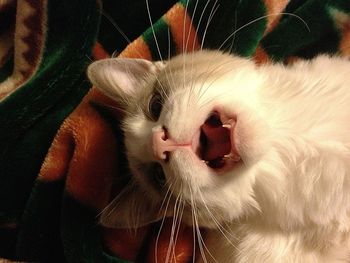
120,14
80,225
312,35
41,222
31,116
53,226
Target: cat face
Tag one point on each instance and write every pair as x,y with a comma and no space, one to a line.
214,138
192,132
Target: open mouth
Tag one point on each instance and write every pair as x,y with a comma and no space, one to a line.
217,147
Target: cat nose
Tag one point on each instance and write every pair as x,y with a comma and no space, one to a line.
162,145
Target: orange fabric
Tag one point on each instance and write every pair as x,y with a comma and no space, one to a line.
182,30
129,243
260,56
84,152
137,49
344,45
99,52
179,251
274,9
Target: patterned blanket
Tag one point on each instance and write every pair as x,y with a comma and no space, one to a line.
61,155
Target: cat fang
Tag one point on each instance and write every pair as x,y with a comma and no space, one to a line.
280,189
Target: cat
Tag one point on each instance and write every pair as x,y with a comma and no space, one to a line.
259,156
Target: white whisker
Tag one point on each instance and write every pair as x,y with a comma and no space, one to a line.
211,15
200,239
258,19
153,32
200,22
217,223
162,224
189,30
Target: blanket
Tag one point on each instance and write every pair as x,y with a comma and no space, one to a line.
61,155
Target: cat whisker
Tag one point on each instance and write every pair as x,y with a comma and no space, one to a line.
112,107
199,22
153,31
120,31
200,239
89,58
193,232
260,18
211,15
115,25
181,210
166,71
171,248
112,206
212,71
193,224
110,19
234,37
191,93
162,224
168,192
221,228
189,31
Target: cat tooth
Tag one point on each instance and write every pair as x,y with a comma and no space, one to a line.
204,161
227,126
228,156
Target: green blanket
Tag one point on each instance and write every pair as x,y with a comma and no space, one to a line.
45,47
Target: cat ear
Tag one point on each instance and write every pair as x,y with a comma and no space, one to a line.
130,209
120,78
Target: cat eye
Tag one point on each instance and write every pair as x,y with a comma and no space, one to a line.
155,106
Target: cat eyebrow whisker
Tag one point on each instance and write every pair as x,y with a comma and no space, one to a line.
234,36
211,15
153,31
189,30
199,22
166,68
260,18
120,31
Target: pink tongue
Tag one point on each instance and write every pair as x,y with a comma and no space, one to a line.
218,141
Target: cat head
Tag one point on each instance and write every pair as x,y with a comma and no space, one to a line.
191,132
203,140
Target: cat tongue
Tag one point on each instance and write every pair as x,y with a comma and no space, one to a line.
217,139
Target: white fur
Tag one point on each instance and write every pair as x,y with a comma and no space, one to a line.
290,201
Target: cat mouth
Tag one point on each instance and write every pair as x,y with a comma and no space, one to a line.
217,146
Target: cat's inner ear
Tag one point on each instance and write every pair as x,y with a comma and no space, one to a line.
121,78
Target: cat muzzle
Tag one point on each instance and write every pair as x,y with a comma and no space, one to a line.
216,146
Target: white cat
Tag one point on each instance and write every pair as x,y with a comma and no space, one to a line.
258,155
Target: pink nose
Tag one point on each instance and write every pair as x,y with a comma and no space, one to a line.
162,145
